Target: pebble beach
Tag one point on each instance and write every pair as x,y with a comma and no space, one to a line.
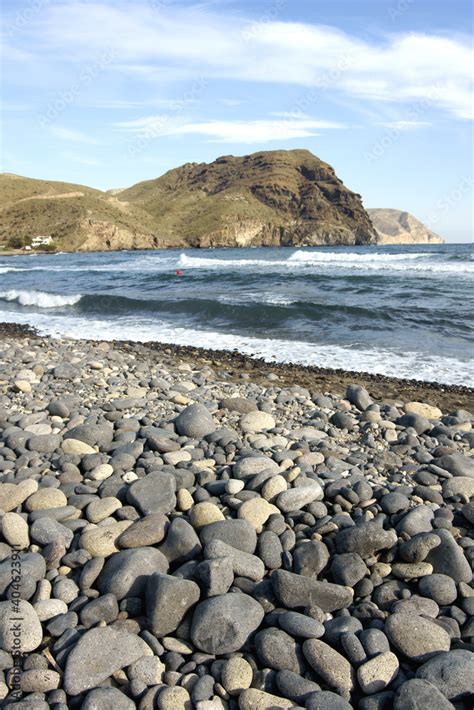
185,529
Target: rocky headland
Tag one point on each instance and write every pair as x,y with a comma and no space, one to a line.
398,227
179,531
272,198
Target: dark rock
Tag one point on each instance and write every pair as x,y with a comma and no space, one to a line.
168,599
126,573
195,422
154,493
224,623
418,694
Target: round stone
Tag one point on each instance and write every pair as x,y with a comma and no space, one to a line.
256,511
20,628
46,498
15,530
236,675
203,514
377,673
256,421
416,637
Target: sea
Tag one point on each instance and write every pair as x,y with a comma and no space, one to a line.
401,311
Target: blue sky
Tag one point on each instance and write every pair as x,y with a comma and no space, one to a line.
107,93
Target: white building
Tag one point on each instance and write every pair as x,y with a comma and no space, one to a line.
41,241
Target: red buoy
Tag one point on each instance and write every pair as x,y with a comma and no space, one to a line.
179,272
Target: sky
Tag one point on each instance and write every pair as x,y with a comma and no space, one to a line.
110,93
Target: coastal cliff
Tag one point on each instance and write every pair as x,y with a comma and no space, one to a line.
275,198
398,227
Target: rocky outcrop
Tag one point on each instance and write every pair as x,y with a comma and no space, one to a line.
274,198
397,227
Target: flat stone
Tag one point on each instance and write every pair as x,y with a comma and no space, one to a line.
98,654
91,434
224,623
39,680
294,591
44,443
300,625
457,464
416,637
174,698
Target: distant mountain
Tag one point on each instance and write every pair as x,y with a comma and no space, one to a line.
397,227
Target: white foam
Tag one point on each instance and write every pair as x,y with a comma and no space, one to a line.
384,361
41,299
7,269
322,261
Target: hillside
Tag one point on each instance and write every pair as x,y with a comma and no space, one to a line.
274,198
270,198
77,217
397,227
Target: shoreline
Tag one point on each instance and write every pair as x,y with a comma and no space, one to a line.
381,387
205,522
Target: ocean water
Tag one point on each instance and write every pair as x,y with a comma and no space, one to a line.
401,311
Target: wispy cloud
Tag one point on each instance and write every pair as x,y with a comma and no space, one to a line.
72,136
164,42
404,125
80,159
259,131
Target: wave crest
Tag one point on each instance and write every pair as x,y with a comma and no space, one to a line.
41,299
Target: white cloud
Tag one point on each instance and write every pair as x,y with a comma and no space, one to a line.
72,136
260,131
165,43
404,125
